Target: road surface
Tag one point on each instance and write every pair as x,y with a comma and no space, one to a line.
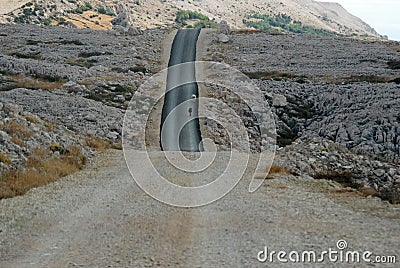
180,126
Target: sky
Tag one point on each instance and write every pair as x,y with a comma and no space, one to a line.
382,15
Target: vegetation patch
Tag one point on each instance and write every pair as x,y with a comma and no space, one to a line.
81,63
276,170
118,88
85,7
5,158
39,82
108,94
396,80
360,78
97,144
31,119
93,54
275,75
394,65
138,69
199,20
104,11
43,167
285,137
72,42
33,56
345,178
17,130
281,22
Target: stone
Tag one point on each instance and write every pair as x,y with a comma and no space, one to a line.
223,38
379,172
279,101
392,171
113,135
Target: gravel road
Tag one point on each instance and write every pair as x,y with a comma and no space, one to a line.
99,217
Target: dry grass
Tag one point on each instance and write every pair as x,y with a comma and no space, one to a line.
36,83
97,144
246,31
18,141
42,168
49,126
31,119
100,22
117,145
357,78
17,130
276,170
394,47
276,75
5,158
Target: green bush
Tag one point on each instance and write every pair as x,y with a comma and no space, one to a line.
183,15
282,22
203,21
102,10
86,7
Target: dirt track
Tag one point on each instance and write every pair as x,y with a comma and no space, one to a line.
99,217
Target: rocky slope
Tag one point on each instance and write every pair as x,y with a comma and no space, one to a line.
97,14
82,80
62,88
341,89
323,90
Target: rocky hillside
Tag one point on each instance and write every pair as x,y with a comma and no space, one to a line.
103,14
62,94
342,90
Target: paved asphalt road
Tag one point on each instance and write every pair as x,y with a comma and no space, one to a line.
180,126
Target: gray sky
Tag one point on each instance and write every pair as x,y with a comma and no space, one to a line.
382,15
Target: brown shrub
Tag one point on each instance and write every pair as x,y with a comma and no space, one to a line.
18,141
5,158
41,169
97,143
31,119
35,83
357,78
49,127
17,130
276,75
117,145
276,170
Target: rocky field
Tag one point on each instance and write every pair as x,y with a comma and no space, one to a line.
64,87
63,95
342,90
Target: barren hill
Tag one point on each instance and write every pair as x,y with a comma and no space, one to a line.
98,14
